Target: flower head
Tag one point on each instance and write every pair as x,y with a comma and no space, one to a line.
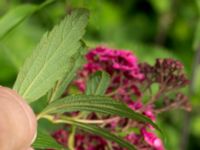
129,80
152,139
120,64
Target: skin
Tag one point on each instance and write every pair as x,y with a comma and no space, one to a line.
18,123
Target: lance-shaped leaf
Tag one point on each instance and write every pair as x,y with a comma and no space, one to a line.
45,141
49,61
95,130
99,104
15,16
98,83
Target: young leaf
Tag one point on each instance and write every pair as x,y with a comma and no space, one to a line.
97,131
99,104
15,16
76,62
49,61
44,141
98,83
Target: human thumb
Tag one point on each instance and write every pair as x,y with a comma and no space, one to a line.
18,124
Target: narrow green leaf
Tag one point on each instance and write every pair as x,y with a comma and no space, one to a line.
15,16
44,141
49,61
97,131
75,63
99,104
98,83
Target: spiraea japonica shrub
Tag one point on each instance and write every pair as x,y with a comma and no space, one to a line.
102,97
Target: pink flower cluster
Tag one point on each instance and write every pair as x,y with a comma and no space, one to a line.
126,78
83,141
120,64
145,139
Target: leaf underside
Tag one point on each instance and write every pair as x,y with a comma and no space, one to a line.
50,60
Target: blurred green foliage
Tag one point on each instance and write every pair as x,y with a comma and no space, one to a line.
151,28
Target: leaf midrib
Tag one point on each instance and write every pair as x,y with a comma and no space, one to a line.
43,66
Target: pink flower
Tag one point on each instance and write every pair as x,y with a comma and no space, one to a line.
149,113
133,138
112,60
61,136
135,105
152,139
81,84
122,66
89,142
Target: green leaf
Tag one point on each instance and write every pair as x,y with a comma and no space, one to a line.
99,104
75,63
97,131
98,83
15,16
44,141
50,60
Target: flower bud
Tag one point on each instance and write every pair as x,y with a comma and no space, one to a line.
18,123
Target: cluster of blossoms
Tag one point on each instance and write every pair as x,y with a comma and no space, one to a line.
169,75
82,140
130,81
